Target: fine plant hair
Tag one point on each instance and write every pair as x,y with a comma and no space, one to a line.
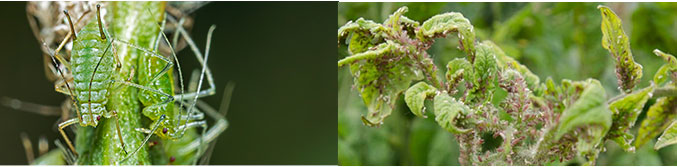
536,122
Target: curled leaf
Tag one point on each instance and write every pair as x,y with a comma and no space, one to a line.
458,69
360,27
669,137
380,76
447,110
614,39
416,95
665,71
589,109
655,121
588,119
442,24
625,112
667,57
378,51
396,21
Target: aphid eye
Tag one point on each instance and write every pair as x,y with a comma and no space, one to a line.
172,159
164,130
98,118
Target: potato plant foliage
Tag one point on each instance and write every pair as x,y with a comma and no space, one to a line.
488,94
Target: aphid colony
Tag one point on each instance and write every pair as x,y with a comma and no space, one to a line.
94,71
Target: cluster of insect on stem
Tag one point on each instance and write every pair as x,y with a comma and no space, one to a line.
93,73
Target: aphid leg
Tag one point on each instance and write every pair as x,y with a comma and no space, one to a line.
145,140
218,128
221,123
28,147
70,91
63,125
207,71
117,127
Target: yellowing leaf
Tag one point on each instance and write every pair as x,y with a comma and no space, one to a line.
416,95
614,39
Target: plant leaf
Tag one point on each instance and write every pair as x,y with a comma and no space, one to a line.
397,20
589,112
617,43
505,62
586,110
416,95
362,29
458,69
665,71
485,71
442,24
381,77
625,112
669,137
657,119
447,110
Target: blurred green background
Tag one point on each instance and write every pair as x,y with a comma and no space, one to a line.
276,52
558,40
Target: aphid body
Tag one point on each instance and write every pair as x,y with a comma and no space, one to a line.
92,65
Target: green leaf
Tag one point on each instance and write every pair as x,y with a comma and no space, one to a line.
506,62
625,112
379,51
416,95
667,57
381,77
669,137
665,71
457,70
485,70
657,119
662,75
397,20
359,29
447,110
442,24
616,42
588,110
